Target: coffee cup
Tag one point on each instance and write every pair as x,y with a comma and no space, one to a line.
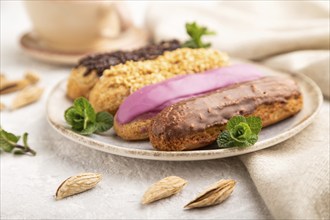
76,26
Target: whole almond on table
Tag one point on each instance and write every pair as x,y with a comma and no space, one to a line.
77,184
163,189
213,195
8,86
27,96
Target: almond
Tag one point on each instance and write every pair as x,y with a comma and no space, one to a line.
26,96
77,184
213,195
163,189
8,86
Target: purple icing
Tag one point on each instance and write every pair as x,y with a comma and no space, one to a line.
154,98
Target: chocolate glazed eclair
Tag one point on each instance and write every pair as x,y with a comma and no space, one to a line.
197,122
89,69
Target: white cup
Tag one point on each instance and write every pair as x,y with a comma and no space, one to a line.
76,26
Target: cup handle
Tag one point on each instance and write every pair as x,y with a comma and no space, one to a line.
120,14
124,15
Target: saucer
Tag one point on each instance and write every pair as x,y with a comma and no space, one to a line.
35,47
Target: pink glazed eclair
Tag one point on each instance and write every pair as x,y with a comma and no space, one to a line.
146,112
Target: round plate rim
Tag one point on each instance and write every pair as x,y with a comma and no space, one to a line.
185,155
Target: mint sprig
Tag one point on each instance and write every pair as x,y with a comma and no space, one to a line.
240,132
196,33
84,120
9,143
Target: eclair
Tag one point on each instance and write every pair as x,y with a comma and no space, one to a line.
197,122
189,112
121,80
86,74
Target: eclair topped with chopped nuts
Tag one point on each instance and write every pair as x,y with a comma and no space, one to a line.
121,80
89,69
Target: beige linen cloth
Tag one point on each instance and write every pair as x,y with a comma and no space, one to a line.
292,177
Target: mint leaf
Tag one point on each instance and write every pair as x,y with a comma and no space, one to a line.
78,125
196,33
8,140
254,123
70,114
89,112
25,137
224,140
9,136
240,132
8,143
5,145
73,118
253,139
90,129
78,105
26,145
235,120
104,121
83,108
83,119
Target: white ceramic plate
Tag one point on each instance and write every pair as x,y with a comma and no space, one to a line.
110,143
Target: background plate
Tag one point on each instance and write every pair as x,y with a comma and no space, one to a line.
110,143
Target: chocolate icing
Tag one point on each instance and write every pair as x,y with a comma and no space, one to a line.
215,108
100,62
